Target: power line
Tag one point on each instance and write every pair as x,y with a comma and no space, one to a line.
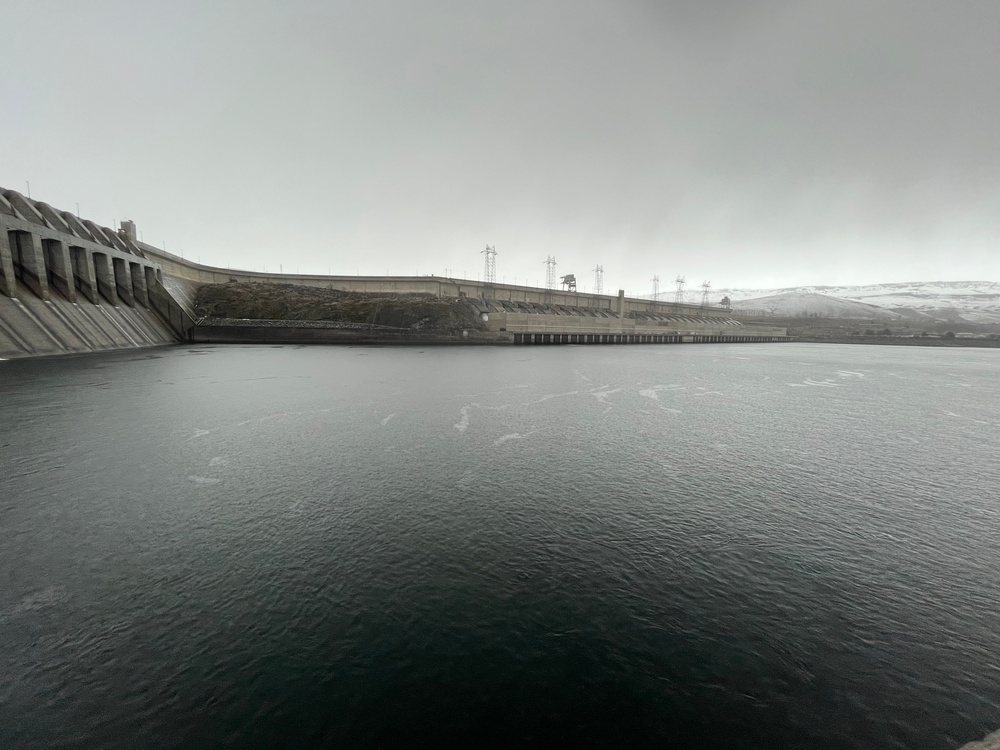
489,271
550,272
599,280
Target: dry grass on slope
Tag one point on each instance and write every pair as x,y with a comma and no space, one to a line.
291,302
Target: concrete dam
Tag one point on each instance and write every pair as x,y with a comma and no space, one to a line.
68,285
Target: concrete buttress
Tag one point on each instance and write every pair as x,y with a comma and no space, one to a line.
105,277
8,283
83,273
123,284
139,291
60,268
27,251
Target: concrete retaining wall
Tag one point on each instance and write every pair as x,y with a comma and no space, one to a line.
197,274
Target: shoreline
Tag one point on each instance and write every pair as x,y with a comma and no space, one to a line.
900,341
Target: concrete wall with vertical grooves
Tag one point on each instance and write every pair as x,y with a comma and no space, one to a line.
31,327
69,286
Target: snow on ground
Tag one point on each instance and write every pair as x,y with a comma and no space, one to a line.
799,304
975,301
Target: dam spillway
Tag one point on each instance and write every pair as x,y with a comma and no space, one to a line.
69,286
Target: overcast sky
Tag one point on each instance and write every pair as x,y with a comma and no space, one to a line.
751,143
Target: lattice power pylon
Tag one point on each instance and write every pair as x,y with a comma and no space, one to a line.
680,282
705,287
550,272
489,271
599,280
656,287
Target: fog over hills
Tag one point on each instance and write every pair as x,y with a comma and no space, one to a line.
972,301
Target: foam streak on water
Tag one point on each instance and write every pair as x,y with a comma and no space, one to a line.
748,545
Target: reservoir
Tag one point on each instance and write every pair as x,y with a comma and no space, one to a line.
750,546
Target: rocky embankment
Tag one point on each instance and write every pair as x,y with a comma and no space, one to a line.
311,307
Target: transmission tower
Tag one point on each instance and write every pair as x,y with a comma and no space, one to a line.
550,272
489,271
679,281
599,280
705,286
656,287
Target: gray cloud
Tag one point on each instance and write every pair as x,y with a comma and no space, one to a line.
750,143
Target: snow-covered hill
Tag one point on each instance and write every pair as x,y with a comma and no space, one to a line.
803,304
974,301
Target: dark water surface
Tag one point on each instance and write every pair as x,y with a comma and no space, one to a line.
755,546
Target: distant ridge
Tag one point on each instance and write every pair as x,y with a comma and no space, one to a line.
802,304
948,301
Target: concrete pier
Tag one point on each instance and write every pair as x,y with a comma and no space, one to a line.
84,277
29,261
123,282
60,271
105,277
8,282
